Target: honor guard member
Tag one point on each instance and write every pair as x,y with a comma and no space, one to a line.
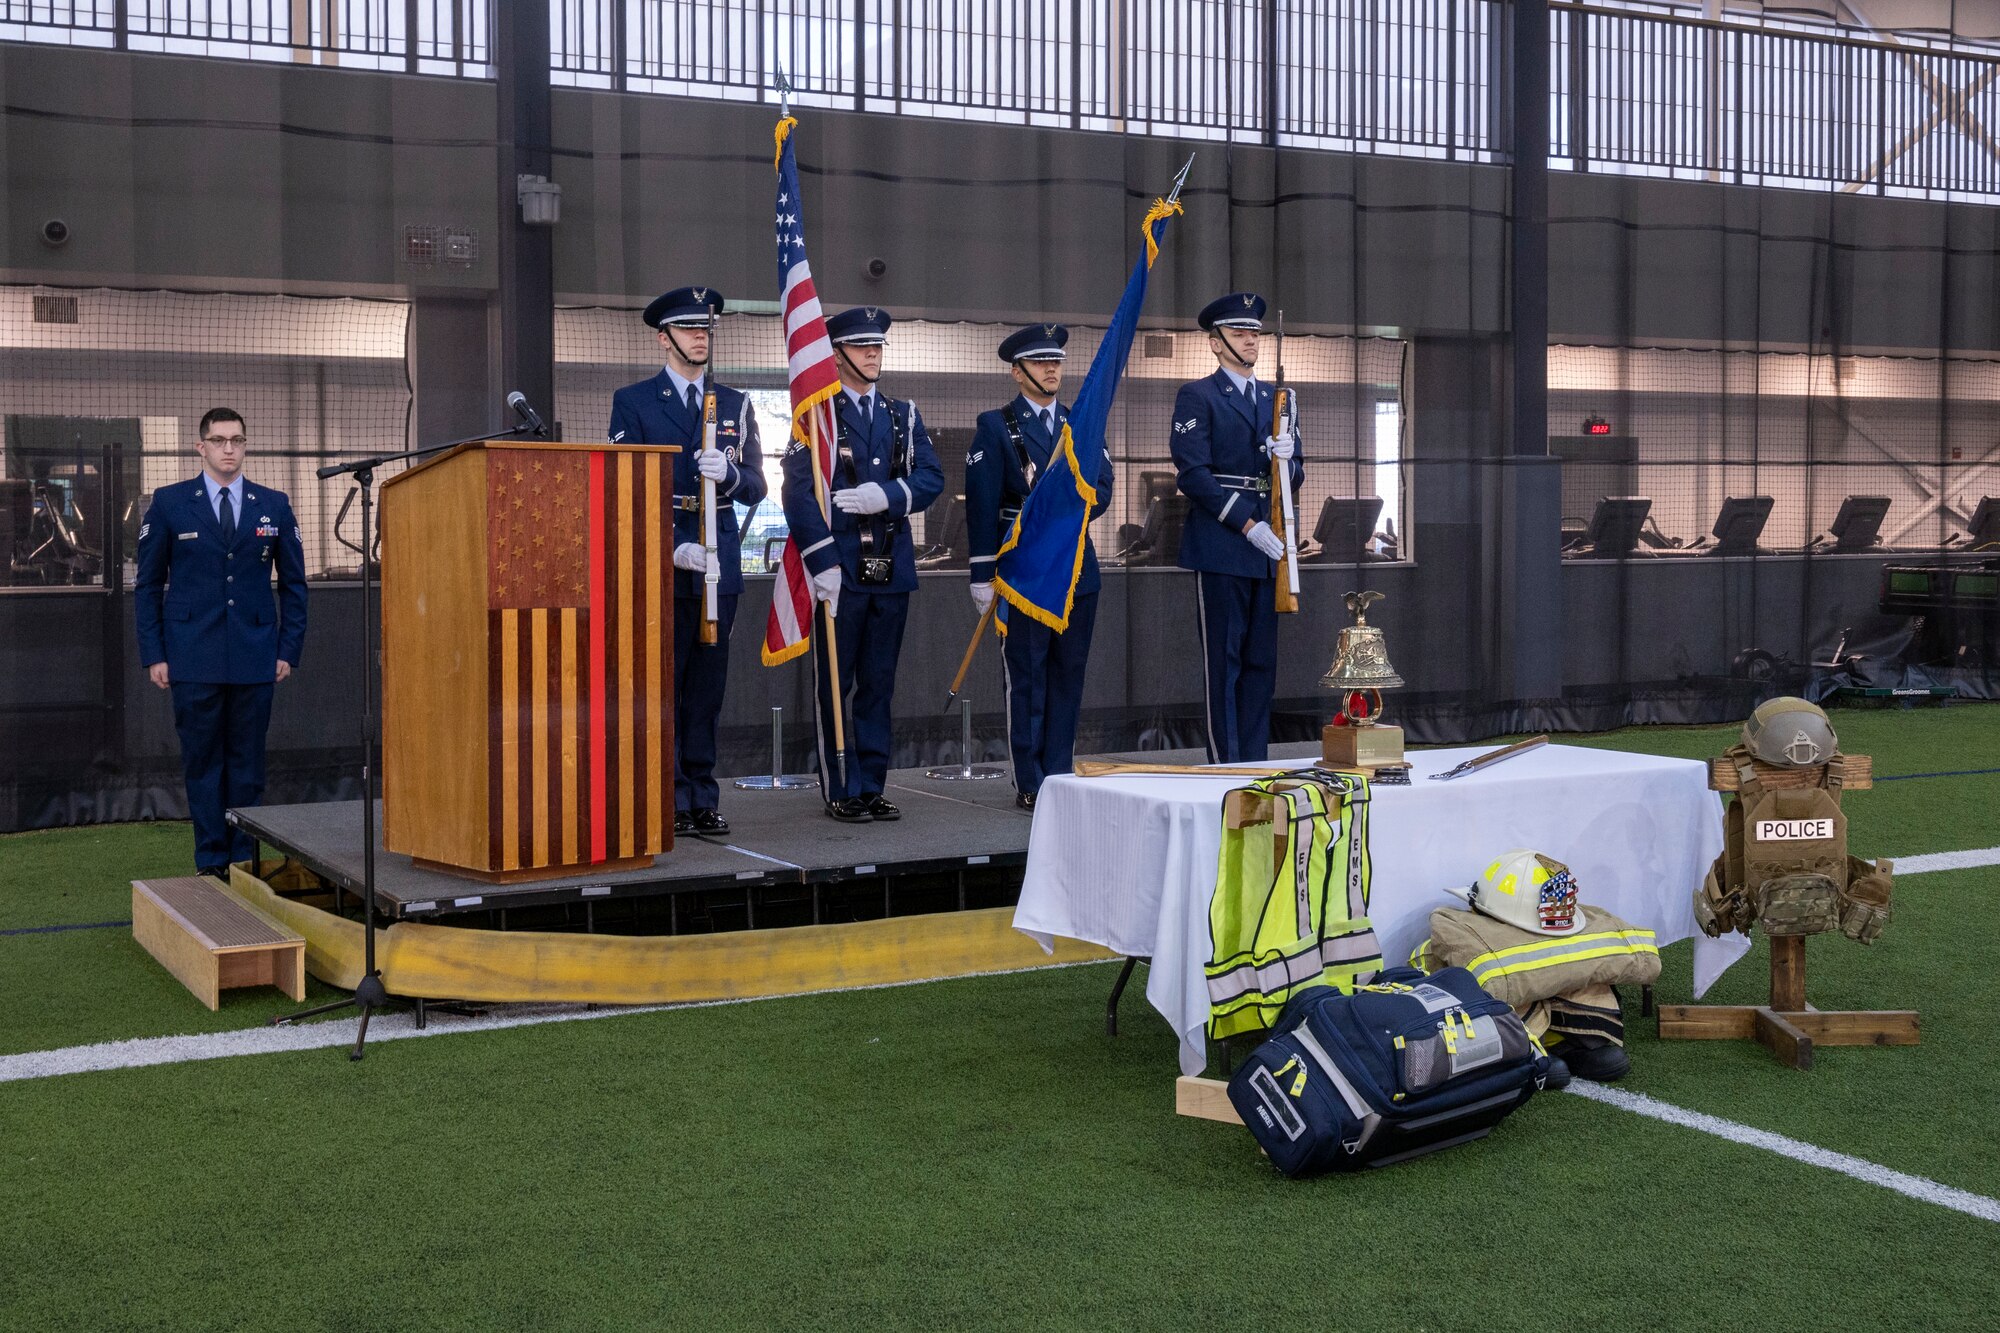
1010,449
212,630
1223,447
668,409
884,470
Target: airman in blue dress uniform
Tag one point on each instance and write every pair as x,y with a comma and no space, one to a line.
884,470
1222,447
212,629
1010,450
667,409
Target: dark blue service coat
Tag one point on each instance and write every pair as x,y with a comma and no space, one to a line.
208,608
650,412
1218,449
995,483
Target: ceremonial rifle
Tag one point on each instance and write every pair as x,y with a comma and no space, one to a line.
1281,486
711,579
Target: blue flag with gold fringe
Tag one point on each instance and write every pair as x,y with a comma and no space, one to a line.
1042,557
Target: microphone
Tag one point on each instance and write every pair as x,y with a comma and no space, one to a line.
519,402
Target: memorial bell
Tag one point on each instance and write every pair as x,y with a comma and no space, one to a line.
1356,738
1362,661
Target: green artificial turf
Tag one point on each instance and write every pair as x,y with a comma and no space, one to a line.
976,1153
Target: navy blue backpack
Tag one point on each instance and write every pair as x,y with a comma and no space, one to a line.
1402,1067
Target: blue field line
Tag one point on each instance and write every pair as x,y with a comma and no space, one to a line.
52,930
1955,773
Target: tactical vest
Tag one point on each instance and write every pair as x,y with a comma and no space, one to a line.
1524,968
1784,860
1290,909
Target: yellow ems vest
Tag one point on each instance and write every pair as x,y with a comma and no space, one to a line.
1522,967
1291,900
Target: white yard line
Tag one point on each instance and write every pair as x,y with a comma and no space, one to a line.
393,1025
1857,1168
1924,865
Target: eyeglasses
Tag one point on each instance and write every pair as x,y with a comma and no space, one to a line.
227,441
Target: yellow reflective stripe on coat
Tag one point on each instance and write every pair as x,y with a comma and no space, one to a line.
1482,972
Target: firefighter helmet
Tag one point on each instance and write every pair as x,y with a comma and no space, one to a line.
1528,891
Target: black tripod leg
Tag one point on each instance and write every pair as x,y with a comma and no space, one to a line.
361,1037
278,1020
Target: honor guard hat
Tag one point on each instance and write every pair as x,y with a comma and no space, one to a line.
1528,891
683,306
863,326
1037,342
1238,310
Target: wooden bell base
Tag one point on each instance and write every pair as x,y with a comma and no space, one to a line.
1788,1026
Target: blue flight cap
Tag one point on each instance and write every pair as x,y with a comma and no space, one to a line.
683,306
863,326
1238,310
1037,342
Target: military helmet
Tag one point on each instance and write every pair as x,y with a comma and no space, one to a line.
1790,732
1528,891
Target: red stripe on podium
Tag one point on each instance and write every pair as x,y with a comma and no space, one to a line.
598,622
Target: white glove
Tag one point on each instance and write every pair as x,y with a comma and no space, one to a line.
691,556
1280,446
711,464
867,498
982,596
826,587
1265,540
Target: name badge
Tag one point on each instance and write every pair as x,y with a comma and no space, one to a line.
189,536
1794,830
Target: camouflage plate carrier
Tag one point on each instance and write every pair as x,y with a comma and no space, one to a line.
1785,863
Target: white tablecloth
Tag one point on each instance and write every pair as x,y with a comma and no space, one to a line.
1129,862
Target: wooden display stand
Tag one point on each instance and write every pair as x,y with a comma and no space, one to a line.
1788,1025
1365,747
527,659
212,941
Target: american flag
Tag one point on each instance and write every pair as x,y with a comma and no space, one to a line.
814,384
579,640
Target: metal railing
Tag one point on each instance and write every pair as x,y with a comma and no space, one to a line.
1633,90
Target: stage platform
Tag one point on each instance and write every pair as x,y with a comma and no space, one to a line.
958,845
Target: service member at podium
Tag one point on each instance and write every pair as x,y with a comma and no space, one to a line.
864,565
1223,447
1010,450
212,630
668,409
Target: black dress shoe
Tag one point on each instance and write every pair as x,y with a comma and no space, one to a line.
852,810
879,807
709,821
1025,800
215,872
683,823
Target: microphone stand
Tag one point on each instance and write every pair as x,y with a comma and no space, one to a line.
372,994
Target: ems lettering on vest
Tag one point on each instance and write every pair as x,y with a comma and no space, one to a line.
1794,830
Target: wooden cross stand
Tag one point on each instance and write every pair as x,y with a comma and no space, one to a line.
1788,1025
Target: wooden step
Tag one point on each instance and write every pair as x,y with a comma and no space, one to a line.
213,941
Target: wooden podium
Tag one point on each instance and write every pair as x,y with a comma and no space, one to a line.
527,659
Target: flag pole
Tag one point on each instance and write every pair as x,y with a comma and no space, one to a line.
832,643
971,649
979,631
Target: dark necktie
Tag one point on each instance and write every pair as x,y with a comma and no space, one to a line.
868,412
227,518
694,401
1049,423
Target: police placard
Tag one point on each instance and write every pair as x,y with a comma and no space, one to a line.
1793,830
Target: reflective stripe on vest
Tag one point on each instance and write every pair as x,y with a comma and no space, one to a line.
1291,902
1556,953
